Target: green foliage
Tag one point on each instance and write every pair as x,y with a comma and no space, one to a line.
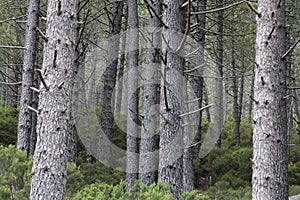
75,179
9,125
294,190
99,173
221,192
153,192
15,173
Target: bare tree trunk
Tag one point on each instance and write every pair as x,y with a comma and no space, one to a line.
266,141
148,158
109,80
49,171
132,163
25,115
119,85
219,82
35,101
171,130
282,105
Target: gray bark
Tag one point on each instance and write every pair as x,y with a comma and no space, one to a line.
171,131
266,142
119,85
148,162
132,161
282,105
25,115
109,80
219,82
49,171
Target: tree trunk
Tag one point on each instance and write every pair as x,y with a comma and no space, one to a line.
25,115
119,85
171,131
35,102
282,105
132,109
266,88
109,81
49,172
219,82
148,156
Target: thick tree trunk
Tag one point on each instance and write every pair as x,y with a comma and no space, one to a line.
132,97
148,156
171,131
265,121
49,171
25,115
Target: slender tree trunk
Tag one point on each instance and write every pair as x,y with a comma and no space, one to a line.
235,90
148,158
25,115
35,101
251,96
109,81
219,82
49,171
171,131
132,109
282,105
268,145
119,86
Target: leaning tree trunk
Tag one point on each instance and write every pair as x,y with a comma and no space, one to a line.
49,171
148,158
25,115
132,105
265,120
171,131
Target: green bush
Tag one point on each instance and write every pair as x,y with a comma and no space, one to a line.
9,125
15,173
157,191
294,190
221,192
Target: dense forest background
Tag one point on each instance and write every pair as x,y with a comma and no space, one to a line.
92,94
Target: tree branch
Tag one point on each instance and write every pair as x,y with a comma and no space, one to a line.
253,9
195,111
11,47
218,9
290,49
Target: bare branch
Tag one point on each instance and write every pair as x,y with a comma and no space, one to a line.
4,83
11,47
33,109
218,9
43,80
42,34
195,111
290,49
12,18
195,68
253,9
35,89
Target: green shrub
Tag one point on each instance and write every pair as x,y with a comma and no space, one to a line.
15,173
9,125
157,191
294,190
